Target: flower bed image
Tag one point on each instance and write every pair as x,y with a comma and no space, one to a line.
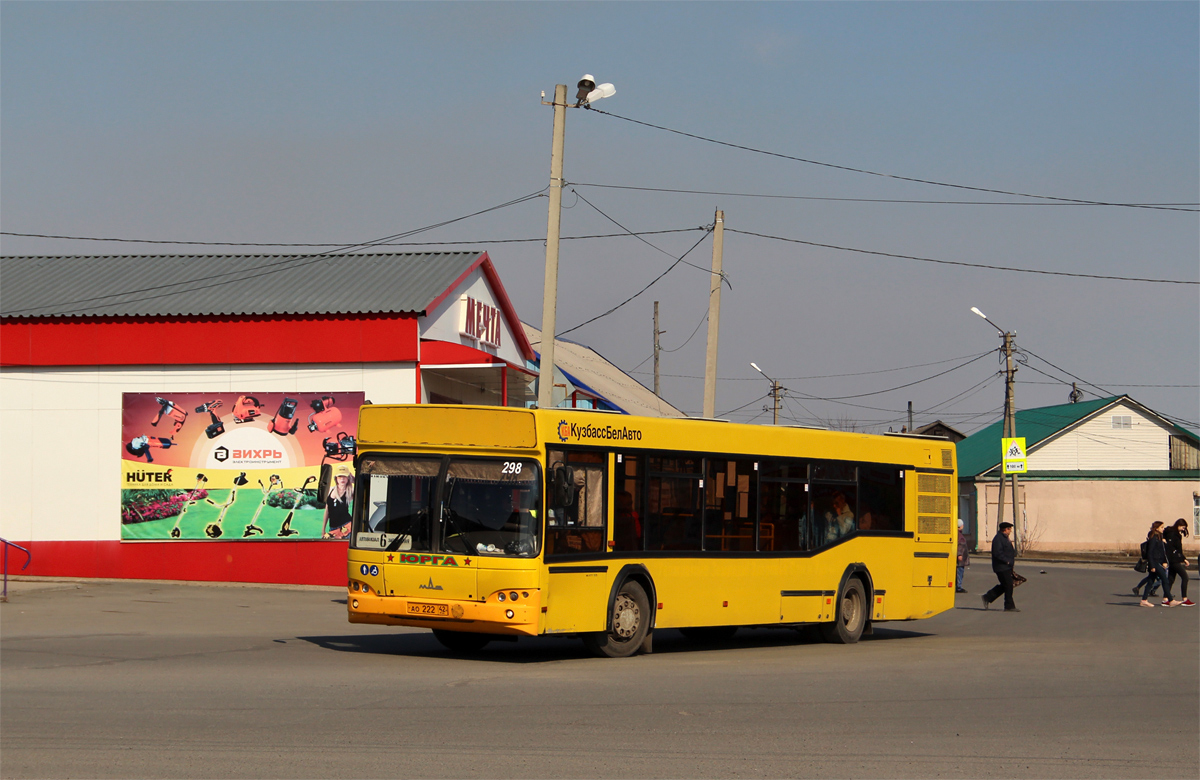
140,506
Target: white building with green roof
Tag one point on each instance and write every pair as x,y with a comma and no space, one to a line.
1099,473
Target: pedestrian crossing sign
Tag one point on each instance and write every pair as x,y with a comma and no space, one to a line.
1014,456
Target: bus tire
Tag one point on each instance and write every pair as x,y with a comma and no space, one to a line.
851,616
709,634
628,623
461,641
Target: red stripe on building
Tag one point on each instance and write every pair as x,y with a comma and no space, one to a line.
150,341
297,563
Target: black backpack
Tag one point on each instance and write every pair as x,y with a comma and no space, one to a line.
1145,550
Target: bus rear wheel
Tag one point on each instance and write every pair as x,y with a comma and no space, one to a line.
461,641
629,622
851,616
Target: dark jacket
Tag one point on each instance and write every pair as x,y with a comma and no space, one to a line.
1174,544
1004,555
1156,552
964,542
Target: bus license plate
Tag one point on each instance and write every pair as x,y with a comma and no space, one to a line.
437,610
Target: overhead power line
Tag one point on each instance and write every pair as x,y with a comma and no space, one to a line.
961,263
824,376
636,294
881,174
541,239
647,243
863,200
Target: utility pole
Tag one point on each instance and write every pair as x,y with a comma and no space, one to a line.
1010,428
714,317
910,424
550,286
776,393
1010,425
657,347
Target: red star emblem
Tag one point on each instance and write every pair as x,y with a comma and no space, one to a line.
391,557
467,561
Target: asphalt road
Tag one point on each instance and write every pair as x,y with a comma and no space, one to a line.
127,679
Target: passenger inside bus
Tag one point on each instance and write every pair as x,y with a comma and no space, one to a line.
627,526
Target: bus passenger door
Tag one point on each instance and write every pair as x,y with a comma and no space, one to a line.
577,542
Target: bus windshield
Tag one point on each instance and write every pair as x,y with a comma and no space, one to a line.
490,507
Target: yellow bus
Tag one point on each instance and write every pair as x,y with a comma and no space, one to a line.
485,523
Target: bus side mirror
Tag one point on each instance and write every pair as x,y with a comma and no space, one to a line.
564,486
324,482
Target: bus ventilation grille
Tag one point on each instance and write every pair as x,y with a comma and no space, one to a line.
933,525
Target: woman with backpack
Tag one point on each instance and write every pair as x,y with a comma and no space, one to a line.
1151,578
1156,558
1176,560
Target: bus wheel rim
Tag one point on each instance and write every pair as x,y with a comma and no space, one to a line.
850,611
626,617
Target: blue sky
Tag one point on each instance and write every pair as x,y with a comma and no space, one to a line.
343,122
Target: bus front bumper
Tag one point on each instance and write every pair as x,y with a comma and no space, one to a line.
486,617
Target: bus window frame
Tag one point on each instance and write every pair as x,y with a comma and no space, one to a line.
606,460
645,454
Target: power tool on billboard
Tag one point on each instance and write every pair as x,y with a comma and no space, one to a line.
213,530
286,528
276,483
339,449
188,502
324,414
170,410
141,446
284,421
246,408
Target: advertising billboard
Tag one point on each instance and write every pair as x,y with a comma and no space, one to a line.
198,466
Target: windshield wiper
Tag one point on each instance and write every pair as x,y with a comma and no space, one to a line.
447,512
404,533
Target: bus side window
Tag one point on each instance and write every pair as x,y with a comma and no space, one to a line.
729,505
628,528
880,499
673,519
578,527
783,524
834,511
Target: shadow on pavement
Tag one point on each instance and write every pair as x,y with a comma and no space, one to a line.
528,650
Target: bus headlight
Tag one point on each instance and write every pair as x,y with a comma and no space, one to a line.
501,597
508,614
513,596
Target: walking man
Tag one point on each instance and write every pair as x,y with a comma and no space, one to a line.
964,558
1004,557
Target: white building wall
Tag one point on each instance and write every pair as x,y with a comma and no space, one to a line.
442,322
1088,515
60,432
1095,444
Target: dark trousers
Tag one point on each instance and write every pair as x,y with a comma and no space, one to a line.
1005,587
1180,570
1160,574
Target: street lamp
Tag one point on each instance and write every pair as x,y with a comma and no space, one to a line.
775,392
550,288
1010,423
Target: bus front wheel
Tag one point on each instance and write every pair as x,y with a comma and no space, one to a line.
461,641
851,616
628,624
